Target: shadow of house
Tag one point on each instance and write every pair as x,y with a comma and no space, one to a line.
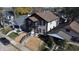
19,21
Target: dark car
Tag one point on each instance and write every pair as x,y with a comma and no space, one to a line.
16,26
75,39
4,41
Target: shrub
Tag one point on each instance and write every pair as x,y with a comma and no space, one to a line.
6,30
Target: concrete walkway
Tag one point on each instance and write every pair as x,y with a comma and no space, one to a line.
11,32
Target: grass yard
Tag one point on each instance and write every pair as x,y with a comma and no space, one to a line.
71,47
13,35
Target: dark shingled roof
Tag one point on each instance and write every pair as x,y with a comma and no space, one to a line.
46,15
75,26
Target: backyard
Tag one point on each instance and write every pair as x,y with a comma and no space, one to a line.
71,47
13,35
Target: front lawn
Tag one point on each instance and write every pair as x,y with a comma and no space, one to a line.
13,35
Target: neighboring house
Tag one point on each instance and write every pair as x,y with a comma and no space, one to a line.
15,22
42,22
61,35
64,35
9,16
72,33
69,31
74,26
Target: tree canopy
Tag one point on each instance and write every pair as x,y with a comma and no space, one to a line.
71,12
22,10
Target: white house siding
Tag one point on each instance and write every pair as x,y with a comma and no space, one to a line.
57,21
52,24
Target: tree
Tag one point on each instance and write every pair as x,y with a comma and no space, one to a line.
22,10
1,17
71,13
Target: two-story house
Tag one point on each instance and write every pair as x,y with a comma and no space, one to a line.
9,15
42,22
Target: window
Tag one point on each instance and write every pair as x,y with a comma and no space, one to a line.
44,23
44,31
36,23
50,22
29,22
39,22
39,30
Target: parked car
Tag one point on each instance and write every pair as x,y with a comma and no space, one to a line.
4,41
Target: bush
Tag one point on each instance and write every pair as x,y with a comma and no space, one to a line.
6,30
22,10
43,47
71,47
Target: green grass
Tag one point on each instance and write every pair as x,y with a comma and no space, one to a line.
13,35
18,31
71,47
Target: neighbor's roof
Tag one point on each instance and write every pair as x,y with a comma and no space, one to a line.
64,35
47,15
75,26
34,43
